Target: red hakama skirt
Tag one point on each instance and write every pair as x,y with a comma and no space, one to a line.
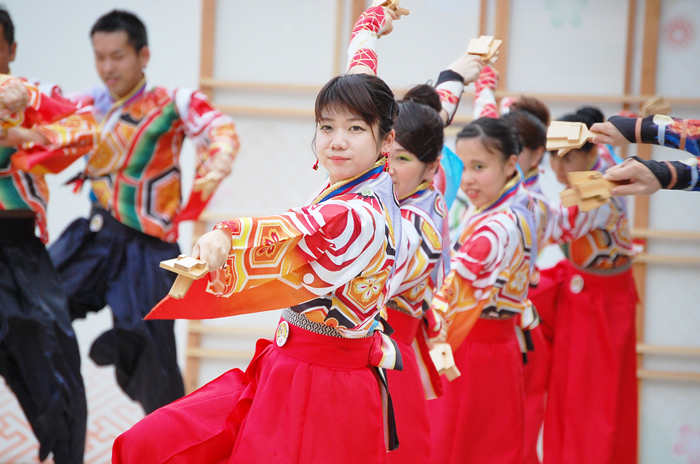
480,418
408,395
311,400
536,371
591,414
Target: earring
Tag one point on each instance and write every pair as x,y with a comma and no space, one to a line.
386,157
315,166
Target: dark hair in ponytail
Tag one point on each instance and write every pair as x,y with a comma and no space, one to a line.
587,115
498,137
534,106
593,113
362,95
532,133
419,127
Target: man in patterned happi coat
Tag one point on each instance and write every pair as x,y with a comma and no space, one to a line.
39,358
111,258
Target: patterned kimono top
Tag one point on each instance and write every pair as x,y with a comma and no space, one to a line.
329,261
557,224
683,134
599,241
71,133
420,270
490,266
420,266
135,169
458,211
576,232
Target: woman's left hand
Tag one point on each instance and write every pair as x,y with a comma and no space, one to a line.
15,136
14,97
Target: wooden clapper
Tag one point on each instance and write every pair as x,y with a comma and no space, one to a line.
444,362
393,5
485,47
655,105
588,190
563,136
188,270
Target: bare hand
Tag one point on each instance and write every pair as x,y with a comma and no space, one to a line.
16,136
389,22
468,66
221,163
442,336
642,180
608,134
213,248
14,97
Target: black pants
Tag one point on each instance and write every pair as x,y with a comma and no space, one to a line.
39,356
112,264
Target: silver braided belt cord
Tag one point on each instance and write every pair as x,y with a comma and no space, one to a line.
303,322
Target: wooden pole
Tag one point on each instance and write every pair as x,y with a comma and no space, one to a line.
338,49
650,50
194,342
206,64
629,57
206,70
267,87
339,42
502,31
665,375
483,17
358,6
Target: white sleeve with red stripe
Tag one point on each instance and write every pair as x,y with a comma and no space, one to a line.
369,26
485,94
450,93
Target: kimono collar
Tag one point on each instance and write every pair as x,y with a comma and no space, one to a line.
531,178
133,94
347,185
507,194
425,185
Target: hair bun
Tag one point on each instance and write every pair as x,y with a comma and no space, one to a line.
423,94
592,113
533,106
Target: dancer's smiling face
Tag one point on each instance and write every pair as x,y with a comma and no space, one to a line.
485,172
407,171
118,63
346,145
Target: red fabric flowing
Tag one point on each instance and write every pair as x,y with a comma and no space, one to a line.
536,371
480,419
52,109
536,375
591,413
42,160
408,395
198,304
195,205
286,408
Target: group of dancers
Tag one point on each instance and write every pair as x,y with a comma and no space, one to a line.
405,246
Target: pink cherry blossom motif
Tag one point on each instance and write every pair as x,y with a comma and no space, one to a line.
679,32
689,445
